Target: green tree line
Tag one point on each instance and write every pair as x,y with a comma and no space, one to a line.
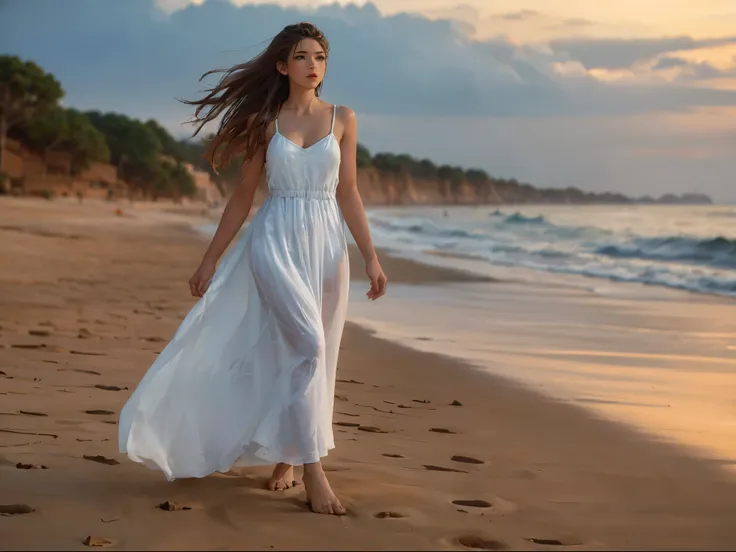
144,153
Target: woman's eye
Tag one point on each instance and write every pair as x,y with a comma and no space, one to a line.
321,58
299,56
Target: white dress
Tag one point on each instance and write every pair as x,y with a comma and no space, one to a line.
249,377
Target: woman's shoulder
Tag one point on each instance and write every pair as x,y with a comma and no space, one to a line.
344,114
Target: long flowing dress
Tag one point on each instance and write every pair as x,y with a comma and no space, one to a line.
249,377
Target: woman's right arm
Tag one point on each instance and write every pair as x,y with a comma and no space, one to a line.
233,217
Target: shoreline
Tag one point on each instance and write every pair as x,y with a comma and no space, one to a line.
532,467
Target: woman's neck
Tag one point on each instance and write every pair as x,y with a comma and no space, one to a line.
300,100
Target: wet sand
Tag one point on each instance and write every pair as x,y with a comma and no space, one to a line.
431,453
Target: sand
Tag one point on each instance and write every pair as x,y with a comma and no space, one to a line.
431,453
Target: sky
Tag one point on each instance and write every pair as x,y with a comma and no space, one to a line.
631,96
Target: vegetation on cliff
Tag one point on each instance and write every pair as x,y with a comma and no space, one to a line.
145,154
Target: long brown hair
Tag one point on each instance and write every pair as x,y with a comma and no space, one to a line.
250,95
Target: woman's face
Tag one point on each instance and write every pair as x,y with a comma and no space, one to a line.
306,65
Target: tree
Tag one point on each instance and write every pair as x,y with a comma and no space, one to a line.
192,151
44,132
169,145
426,169
476,176
363,157
65,130
181,182
85,143
134,148
386,162
406,163
455,175
25,90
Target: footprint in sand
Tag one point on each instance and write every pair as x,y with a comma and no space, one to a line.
442,430
110,387
466,460
31,413
29,346
172,506
21,466
350,381
80,370
555,542
346,424
372,429
96,542
476,542
73,352
101,459
389,515
473,503
18,432
99,412
442,469
39,333
15,509
389,455
84,333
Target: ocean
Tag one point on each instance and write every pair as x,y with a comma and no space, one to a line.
686,247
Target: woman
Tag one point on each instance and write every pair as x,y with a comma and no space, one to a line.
249,377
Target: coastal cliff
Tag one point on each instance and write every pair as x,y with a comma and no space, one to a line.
378,187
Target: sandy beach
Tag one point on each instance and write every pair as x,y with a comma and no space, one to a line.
431,453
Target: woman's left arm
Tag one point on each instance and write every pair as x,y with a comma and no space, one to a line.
351,204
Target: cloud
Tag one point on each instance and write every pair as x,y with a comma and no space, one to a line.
577,22
669,63
703,71
132,55
689,71
520,15
615,53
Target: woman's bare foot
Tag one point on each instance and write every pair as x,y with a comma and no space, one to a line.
282,478
319,493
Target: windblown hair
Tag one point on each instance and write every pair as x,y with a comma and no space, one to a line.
250,95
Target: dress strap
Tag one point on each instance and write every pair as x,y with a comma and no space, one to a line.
334,110
276,120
